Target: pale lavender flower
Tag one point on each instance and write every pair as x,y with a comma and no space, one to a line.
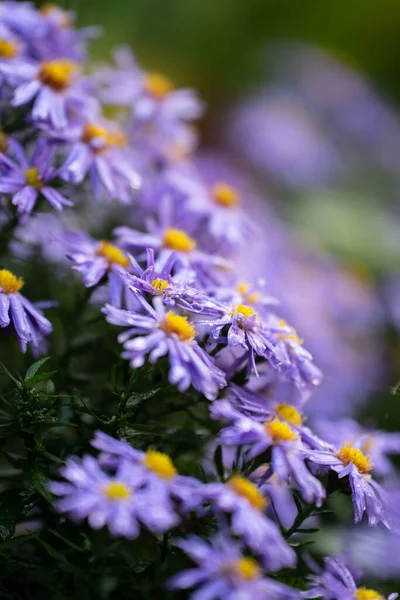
160,115
28,320
377,444
150,466
223,572
158,333
336,582
215,204
99,150
27,179
246,506
95,260
175,290
288,451
119,501
366,494
172,234
53,86
245,330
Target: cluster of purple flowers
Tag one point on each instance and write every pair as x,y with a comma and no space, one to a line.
172,275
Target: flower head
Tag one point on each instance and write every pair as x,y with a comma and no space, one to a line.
28,321
158,333
225,572
26,179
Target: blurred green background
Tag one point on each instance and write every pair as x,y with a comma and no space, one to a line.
215,45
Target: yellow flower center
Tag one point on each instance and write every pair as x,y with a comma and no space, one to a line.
112,254
292,336
347,454
365,594
159,285
159,463
93,130
289,413
33,178
10,283
279,431
116,491
176,239
244,310
245,488
244,290
176,324
224,195
57,74
7,49
247,568
158,85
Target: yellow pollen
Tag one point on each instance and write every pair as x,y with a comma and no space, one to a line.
33,178
244,310
176,324
176,239
7,49
158,85
57,74
159,463
93,130
244,290
365,594
159,285
347,454
292,336
116,491
289,413
224,195
247,568
279,431
245,488
10,283
112,254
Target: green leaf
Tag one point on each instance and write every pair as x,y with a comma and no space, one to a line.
38,481
11,376
33,369
40,377
136,399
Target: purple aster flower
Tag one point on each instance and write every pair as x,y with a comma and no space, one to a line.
95,260
117,500
53,86
99,149
377,444
240,326
222,572
159,333
160,114
151,466
246,504
177,290
171,235
288,451
336,582
27,179
28,321
366,494
216,205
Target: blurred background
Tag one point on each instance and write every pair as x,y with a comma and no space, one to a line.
303,99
